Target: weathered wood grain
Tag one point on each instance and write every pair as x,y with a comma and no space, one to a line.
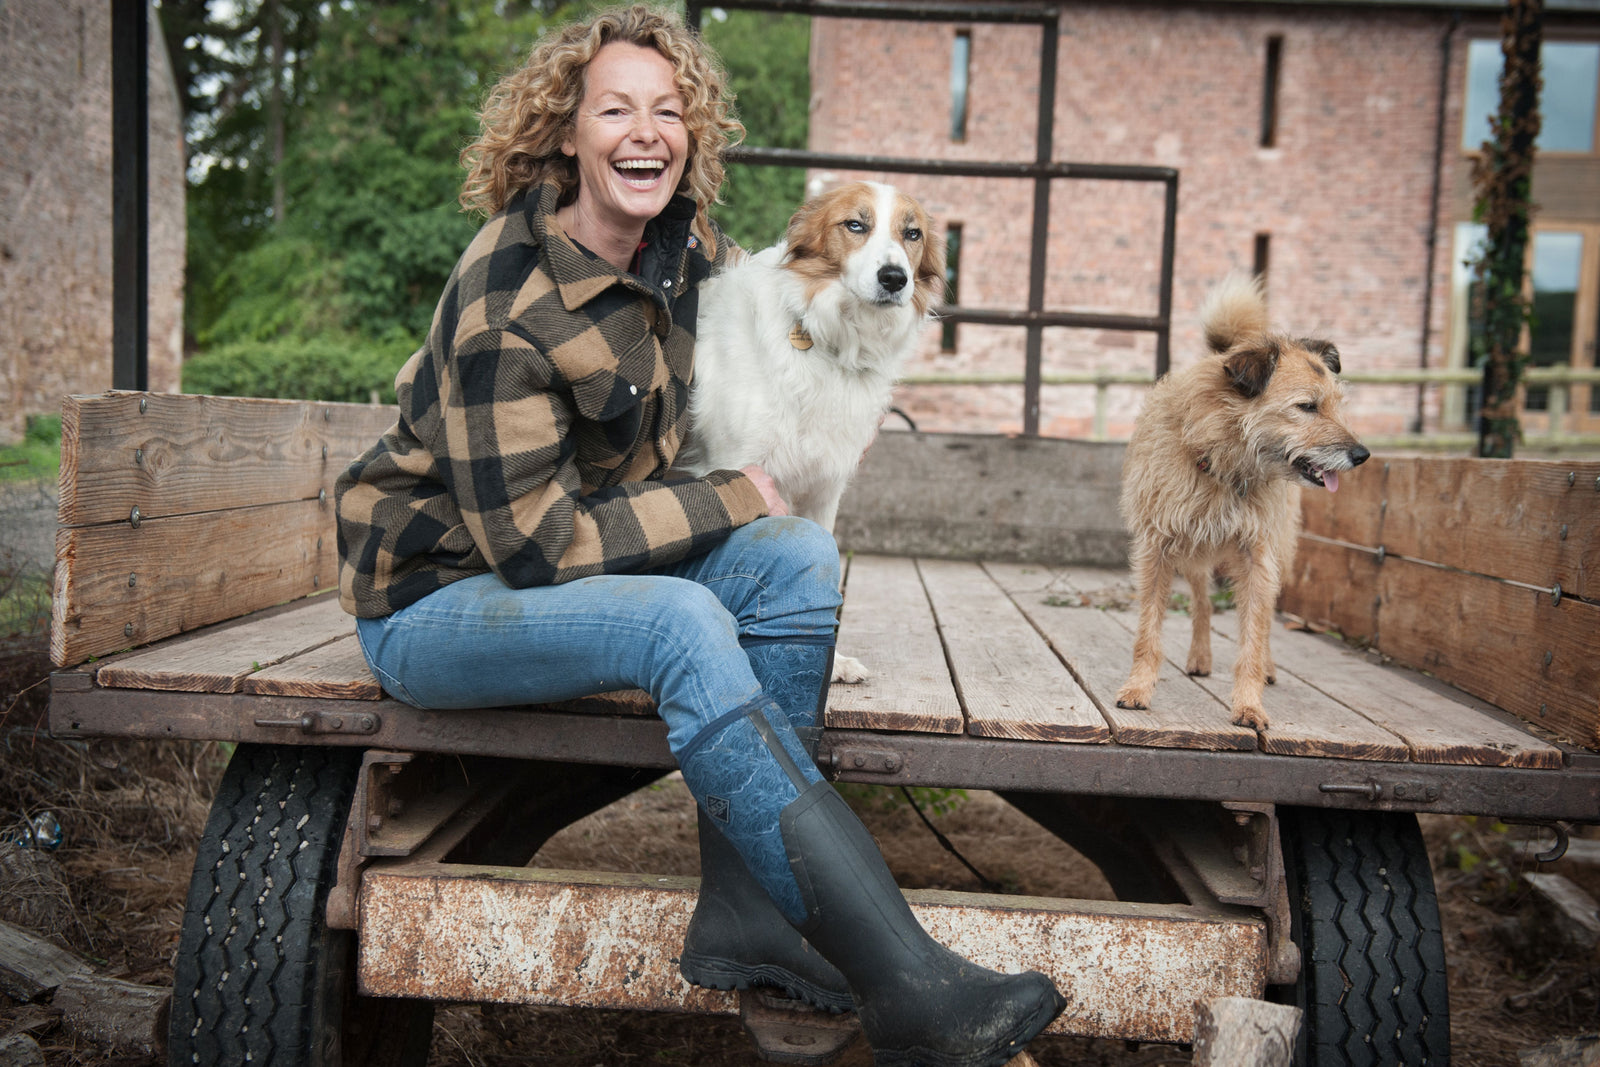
1302,720
886,623
172,454
120,586
1514,647
1533,521
219,660
1333,587
1436,728
1011,683
1356,512
336,670
1100,652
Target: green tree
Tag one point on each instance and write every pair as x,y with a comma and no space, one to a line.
768,59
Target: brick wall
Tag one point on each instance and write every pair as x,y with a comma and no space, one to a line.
55,229
1346,194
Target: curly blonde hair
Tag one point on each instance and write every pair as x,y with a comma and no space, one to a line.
532,110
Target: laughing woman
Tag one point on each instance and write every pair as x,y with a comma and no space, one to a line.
519,537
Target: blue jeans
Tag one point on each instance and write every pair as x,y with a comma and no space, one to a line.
673,632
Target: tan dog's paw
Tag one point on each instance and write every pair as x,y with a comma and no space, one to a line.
1251,716
1134,697
1199,664
849,670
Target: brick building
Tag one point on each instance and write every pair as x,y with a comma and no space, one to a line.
55,209
1322,144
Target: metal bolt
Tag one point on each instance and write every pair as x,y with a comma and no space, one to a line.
138,456
322,496
319,544
144,403
1242,818
324,451
127,630
134,517
365,722
133,579
1563,531
1548,656
374,823
1543,710
1572,478
315,581
1555,594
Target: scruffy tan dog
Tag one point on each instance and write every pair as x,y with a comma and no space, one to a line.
1212,481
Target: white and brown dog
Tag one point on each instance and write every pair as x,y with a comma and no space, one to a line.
798,346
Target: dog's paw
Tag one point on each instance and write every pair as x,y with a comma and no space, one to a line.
849,670
1250,716
1134,698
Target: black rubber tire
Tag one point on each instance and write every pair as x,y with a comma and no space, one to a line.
259,977
1372,977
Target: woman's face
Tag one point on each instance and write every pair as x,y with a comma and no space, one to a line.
629,138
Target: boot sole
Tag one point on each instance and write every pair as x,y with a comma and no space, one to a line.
1028,1028
729,976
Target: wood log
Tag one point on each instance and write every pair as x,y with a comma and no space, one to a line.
1240,1032
20,1050
119,1016
1567,917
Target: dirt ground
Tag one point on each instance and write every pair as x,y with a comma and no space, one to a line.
130,815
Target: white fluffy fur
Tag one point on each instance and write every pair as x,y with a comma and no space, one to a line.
806,416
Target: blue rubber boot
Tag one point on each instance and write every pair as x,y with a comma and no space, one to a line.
920,1004
737,938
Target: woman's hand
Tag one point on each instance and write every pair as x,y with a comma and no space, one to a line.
769,490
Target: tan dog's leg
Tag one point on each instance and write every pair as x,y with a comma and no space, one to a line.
1199,579
1257,597
1152,575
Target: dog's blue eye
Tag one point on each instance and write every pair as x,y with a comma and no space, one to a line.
855,226
913,234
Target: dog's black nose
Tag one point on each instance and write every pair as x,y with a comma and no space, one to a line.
1359,455
892,278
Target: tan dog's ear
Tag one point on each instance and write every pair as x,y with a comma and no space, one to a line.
1250,368
1324,350
807,230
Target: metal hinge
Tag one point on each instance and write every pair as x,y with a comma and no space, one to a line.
330,722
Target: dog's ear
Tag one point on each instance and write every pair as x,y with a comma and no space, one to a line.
806,230
1250,367
1324,351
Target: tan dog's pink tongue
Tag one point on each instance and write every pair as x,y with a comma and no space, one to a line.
1330,481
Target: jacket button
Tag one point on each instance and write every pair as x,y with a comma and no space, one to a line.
633,389
667,284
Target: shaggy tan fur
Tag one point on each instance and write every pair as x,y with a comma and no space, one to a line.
1212,481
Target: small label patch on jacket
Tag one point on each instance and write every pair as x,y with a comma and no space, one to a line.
717,808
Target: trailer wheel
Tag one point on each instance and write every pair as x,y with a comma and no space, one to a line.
259,977
1363,912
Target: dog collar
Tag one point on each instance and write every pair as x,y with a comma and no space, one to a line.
1202,463
799,338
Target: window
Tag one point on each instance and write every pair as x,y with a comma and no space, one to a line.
1557,259
952,283
1269,93
1571,72
960,73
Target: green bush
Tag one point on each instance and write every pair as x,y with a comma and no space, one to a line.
319,368
37,456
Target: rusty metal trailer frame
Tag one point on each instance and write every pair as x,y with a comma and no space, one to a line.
1043,170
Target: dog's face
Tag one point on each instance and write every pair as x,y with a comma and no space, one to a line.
872,238
1292,406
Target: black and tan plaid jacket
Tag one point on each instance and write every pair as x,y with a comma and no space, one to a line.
539,422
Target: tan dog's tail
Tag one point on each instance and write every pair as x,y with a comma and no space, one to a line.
1235,309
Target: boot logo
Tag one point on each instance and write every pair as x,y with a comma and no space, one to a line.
717,808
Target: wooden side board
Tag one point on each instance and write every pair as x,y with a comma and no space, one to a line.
1485,573
180,511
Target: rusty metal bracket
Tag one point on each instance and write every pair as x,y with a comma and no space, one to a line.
402,799
1408,790
866,759
329,722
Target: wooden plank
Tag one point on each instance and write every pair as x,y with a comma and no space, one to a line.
172,454
1301,720
1356,512
120,586
887,623
1436,728
1099,653
1512,646
219,660
1010,682
336,670
1333,587
1531,521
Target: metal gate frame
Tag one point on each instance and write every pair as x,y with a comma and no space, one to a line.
1043,171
